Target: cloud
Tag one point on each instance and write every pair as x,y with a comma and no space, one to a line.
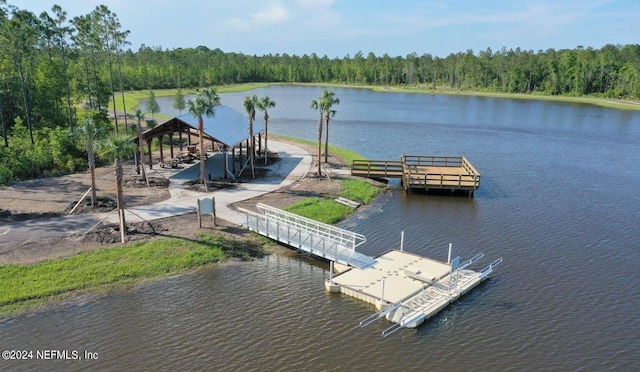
315,3
276,13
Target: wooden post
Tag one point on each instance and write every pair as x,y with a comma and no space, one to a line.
180,139
160,139
233,160
224,159
121,217
240,156
138,156
171,142
150,155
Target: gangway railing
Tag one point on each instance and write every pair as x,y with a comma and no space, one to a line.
317,238
346,238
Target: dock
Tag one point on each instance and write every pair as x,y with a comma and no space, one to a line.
423,172
408,289
405,288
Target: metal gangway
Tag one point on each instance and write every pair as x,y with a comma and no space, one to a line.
320,239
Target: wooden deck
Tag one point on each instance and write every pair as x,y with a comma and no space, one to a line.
425,172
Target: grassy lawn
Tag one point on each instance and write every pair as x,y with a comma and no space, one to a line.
330,211
132,98
22,286
346,155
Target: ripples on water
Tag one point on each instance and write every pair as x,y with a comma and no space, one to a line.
558,200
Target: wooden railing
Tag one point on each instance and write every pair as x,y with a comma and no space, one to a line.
459,173
423,171
441,180
377,168
432,161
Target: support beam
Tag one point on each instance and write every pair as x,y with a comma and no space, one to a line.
240,157
150,155
224,160
233,160
171,143
138,156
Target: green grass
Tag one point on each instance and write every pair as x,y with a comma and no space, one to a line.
330,211
327,211
132,98
590,100
346,155
359,190
107,267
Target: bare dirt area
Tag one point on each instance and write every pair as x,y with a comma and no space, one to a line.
56,196
49,197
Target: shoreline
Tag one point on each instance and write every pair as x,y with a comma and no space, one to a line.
173,228
616,104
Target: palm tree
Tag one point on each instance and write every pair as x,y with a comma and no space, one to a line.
329,99
203,104
317,105
263,104
250,104
117,148
91,133
140,153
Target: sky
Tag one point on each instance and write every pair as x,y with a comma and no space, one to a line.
337,28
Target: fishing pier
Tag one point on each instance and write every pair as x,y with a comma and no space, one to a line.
423,172
405,288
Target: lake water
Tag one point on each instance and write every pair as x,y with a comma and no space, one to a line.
559,201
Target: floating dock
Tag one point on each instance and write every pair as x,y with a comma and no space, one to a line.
406,288
423,172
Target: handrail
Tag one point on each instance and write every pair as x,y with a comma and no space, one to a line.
379,168
349,239
391,329
470,261
373,317
487,270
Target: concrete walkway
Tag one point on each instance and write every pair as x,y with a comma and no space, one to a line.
294,163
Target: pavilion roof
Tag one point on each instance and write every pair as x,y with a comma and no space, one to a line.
228,126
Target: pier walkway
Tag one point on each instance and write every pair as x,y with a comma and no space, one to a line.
320,239
426,172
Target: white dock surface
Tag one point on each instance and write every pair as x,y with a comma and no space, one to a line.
391,267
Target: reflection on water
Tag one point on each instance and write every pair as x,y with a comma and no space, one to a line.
558,200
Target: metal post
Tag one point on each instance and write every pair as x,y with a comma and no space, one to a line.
402,240
449,258
331,273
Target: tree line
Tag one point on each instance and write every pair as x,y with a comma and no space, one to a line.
56,70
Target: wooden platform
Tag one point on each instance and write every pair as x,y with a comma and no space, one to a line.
426,172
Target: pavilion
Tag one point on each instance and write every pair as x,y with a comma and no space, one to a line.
225,132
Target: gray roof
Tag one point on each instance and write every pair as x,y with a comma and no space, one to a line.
227,126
